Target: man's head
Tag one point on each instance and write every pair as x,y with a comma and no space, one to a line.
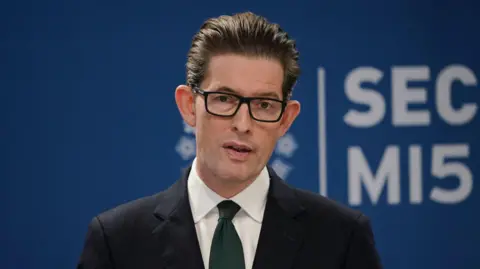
247,56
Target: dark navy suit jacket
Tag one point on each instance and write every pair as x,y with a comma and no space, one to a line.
300,230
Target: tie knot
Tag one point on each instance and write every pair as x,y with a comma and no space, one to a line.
227,209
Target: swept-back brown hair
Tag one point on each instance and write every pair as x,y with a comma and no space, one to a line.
245,34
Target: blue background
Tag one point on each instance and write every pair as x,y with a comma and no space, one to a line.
89,119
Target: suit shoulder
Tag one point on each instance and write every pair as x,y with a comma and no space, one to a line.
131,211
325,208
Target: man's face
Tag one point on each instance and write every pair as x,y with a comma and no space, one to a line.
219,138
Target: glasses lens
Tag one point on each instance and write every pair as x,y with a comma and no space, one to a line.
222,104
266,109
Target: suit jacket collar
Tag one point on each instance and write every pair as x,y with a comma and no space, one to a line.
173,198
281,234
172,201
284,195
281,231
175,235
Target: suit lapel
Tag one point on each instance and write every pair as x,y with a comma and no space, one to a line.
281,234
176,234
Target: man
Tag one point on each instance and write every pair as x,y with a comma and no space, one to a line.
230,210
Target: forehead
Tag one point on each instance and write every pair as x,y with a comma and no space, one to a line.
247,76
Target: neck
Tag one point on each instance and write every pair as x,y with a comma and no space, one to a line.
225,187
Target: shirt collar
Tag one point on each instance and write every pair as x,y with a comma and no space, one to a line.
252,200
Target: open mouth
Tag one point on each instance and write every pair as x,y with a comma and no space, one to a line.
239,149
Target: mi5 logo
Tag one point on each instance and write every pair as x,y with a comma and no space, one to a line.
409,112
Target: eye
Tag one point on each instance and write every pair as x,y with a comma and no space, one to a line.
223,98
265,105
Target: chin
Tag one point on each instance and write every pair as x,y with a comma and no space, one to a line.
231,172
241,171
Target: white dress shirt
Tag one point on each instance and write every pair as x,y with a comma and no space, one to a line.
248,220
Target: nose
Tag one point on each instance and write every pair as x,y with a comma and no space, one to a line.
242,121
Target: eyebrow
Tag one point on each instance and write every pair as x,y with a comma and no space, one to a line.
270,94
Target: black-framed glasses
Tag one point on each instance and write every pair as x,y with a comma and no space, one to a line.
225,104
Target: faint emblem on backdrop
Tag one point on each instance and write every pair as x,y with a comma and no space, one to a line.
284,150
185,147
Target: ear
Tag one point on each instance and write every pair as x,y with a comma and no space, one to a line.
185,100
289,115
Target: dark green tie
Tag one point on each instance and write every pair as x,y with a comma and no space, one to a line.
227,250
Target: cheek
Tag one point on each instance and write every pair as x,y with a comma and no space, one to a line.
209,130
269,139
